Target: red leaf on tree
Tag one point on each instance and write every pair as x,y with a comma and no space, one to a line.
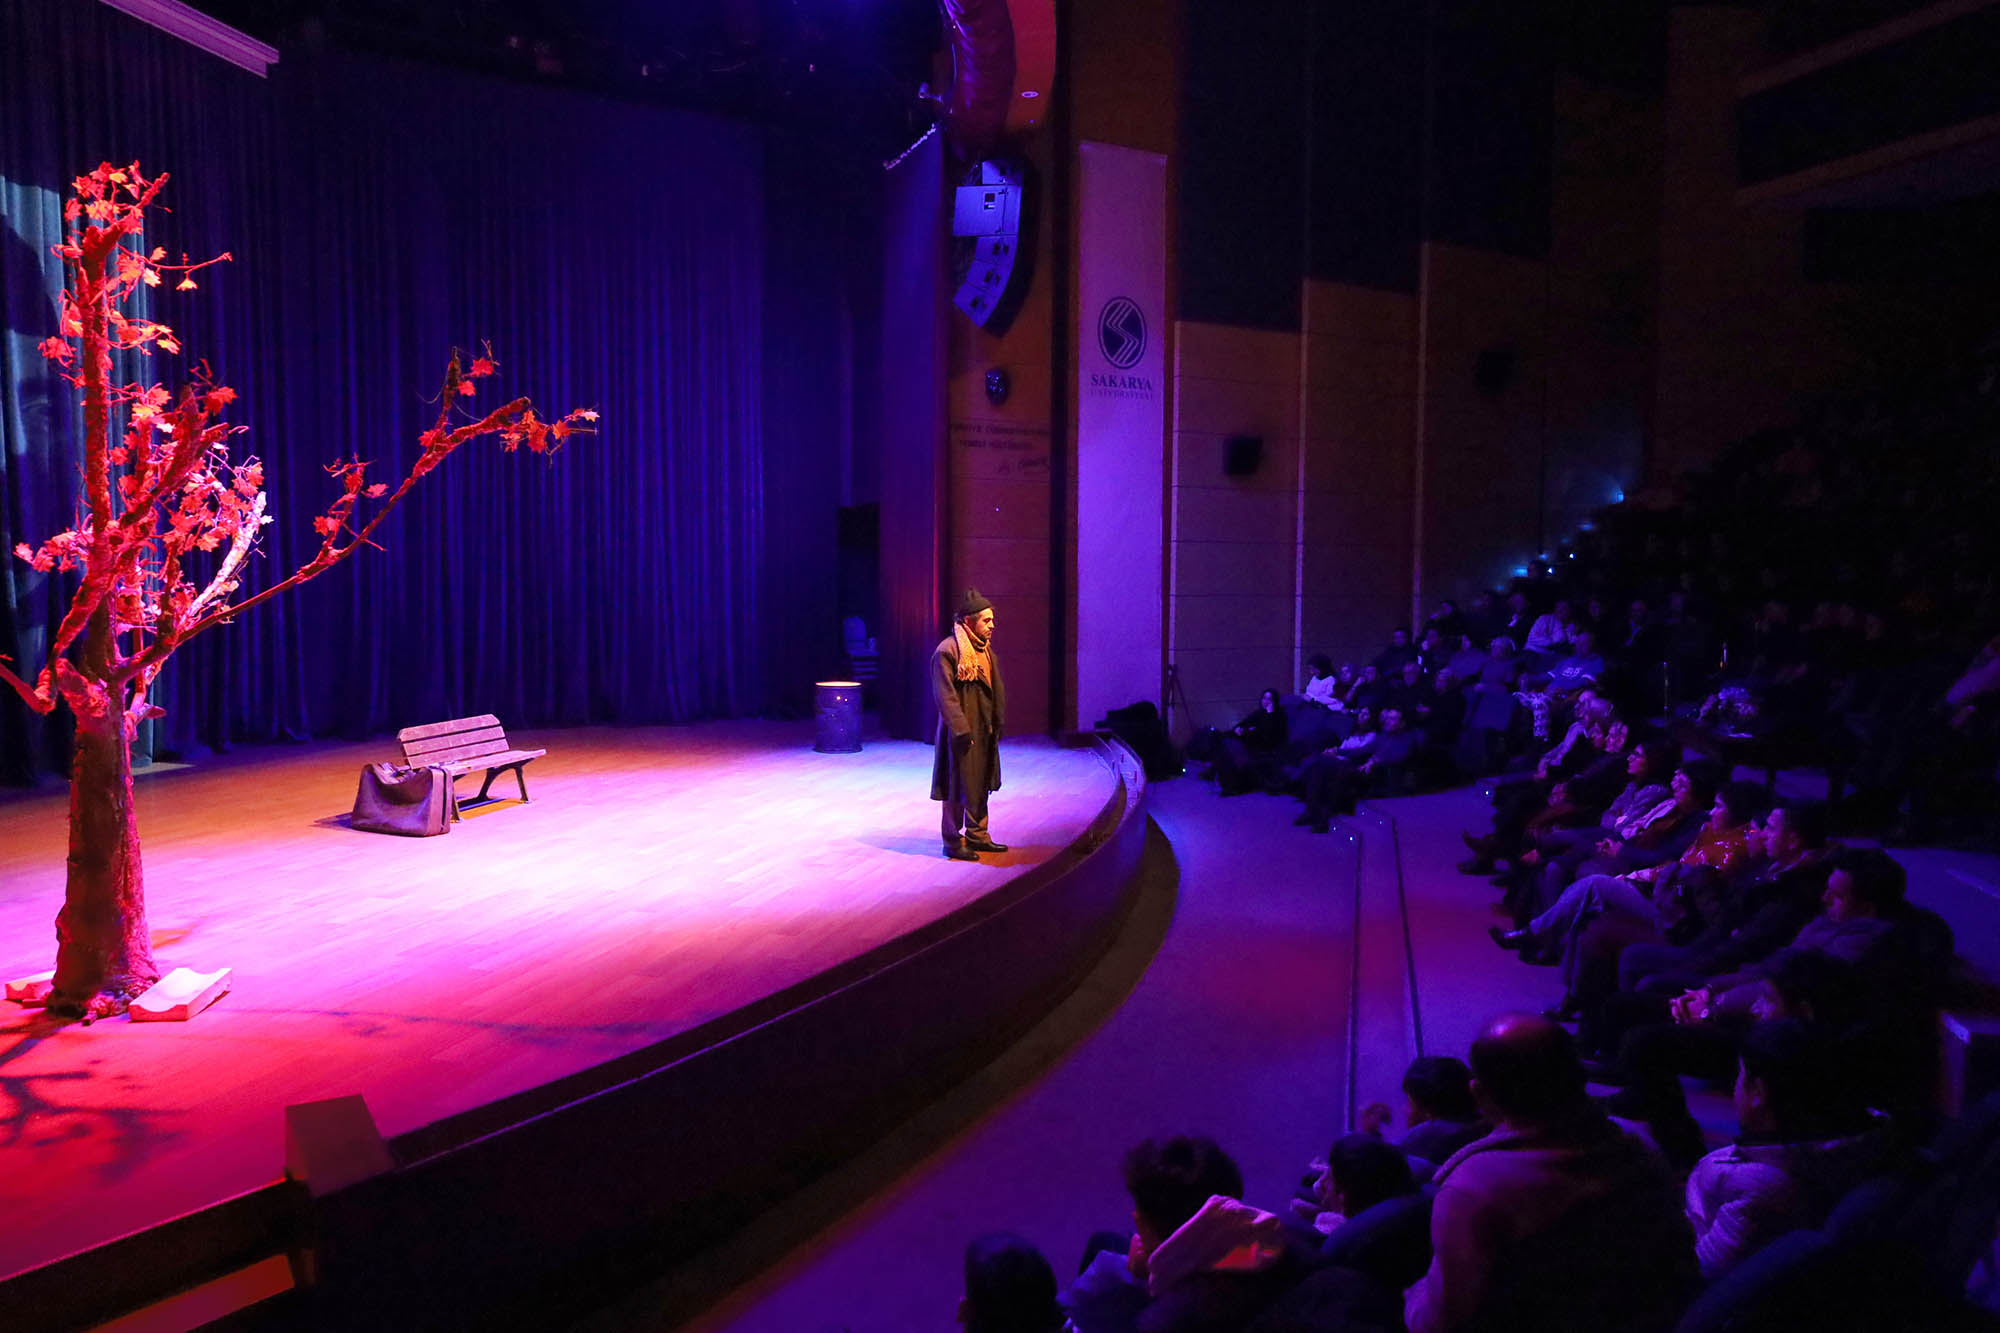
185,285
219,397
482,366
326,524
467,387
377,491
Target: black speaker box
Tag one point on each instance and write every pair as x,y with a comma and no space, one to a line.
1242,455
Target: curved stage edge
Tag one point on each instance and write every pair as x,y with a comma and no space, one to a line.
527,1209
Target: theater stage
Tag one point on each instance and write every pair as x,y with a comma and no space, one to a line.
661,878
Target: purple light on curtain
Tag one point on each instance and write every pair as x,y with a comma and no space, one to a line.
381,213
913,439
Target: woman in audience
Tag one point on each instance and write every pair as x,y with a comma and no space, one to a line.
1247,758
1637,907
1644,838
1648,767
1323,686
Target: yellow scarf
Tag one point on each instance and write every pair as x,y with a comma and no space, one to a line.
973,661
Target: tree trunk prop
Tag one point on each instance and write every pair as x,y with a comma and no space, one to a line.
104,952
166,499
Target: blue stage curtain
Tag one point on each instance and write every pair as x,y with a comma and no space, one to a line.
380,214
912,423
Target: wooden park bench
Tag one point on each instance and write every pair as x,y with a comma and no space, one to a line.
463,745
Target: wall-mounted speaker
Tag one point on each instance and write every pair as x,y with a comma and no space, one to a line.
990,214
1242,455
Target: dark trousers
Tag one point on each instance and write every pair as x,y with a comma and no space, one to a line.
971,781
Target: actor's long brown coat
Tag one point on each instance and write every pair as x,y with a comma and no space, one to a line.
965,708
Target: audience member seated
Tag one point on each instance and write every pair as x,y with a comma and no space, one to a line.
1434,650
1807,1138
1650,837
1336,785
1440,1111
1322,688
1368,690
1410,690
1490,709
1389,662
1643,903
1467,660
1316,775
1447,619
1646,797
1246,758
1009,1288
1702,1026
1200,1259
1379,1219
1550,635
1558,1219
1756,911
1571,786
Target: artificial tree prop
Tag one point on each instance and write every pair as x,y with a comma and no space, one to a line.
164,499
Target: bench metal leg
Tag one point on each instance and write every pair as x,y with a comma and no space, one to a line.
520,776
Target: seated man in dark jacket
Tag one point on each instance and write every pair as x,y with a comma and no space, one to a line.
1558,1220
1859,927
1389,768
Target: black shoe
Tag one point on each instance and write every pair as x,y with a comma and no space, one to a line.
1509,939
1481,845
1303,818
1322,826
1475,865
959,853
987,846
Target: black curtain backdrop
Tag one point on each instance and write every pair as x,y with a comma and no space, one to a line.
912,423
614,256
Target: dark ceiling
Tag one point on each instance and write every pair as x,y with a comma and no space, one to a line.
856,64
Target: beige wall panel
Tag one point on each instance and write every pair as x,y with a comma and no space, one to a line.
1234,407
1361,312
1245,620
1355,568
1235,674
1209,568
1001,508
1211,514
1001,566
1361,368
1226,352
1198,459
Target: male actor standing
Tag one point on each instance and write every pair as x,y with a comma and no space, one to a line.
965,680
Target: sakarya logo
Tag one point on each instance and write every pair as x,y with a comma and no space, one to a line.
1121,332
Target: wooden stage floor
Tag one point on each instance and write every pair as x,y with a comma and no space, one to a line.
661,877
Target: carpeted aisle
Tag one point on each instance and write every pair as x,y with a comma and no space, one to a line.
1237,1029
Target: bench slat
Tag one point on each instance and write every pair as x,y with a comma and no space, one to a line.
473,743
503,758
430,729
